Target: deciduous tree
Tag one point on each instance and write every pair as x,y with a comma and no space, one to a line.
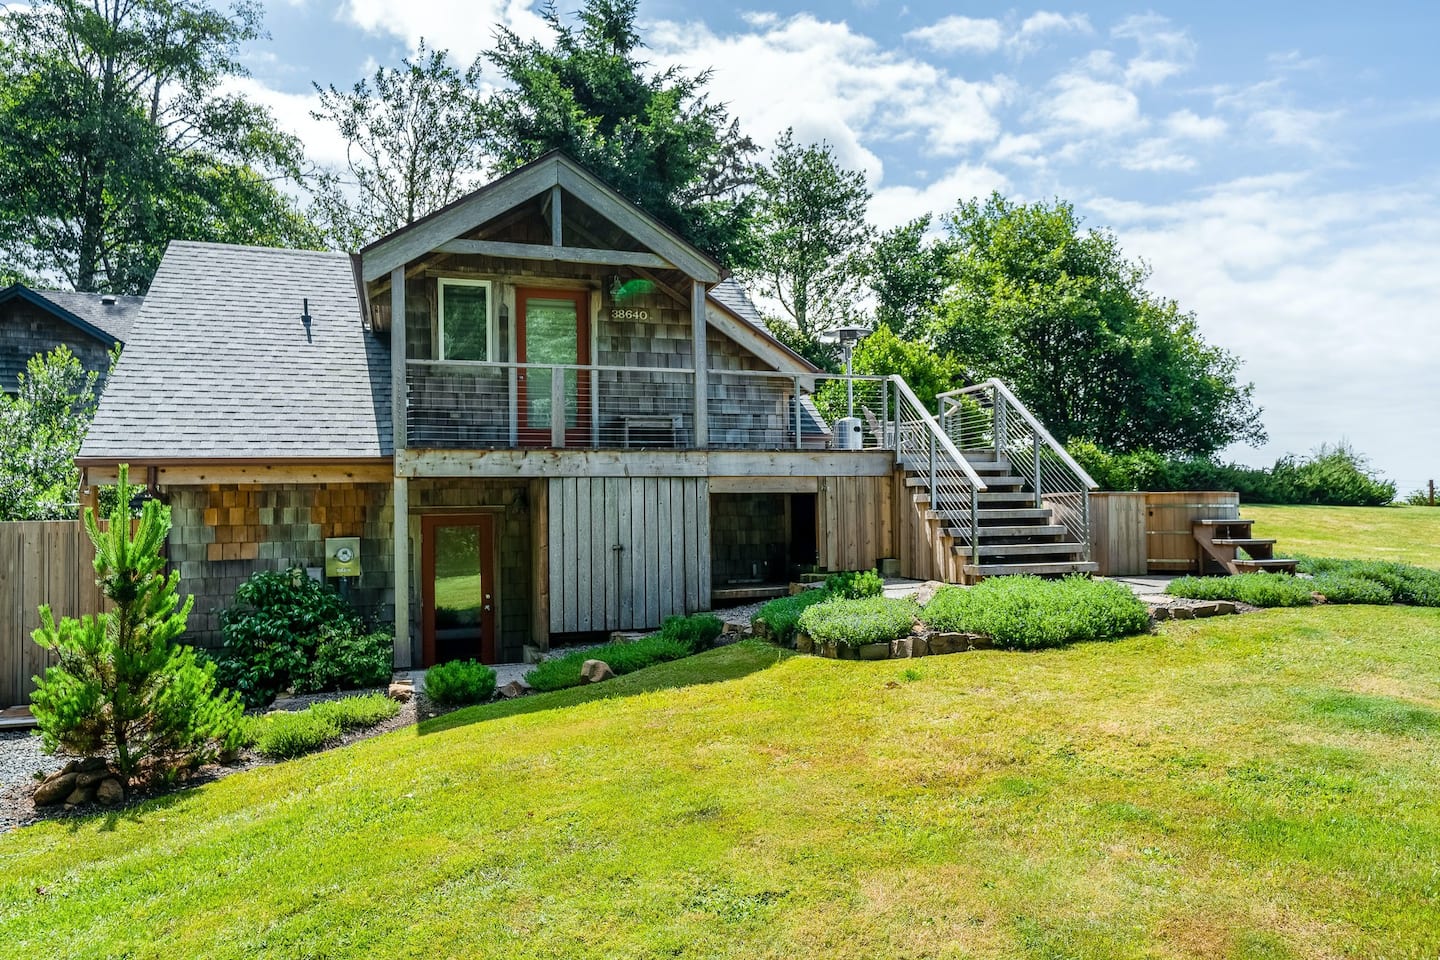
41,428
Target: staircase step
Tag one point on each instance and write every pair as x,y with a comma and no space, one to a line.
1034,569
1222,523
1067,551
999,484
1264,566
1243,542
1014,530
991,514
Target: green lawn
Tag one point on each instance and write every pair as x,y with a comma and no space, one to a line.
1406,534
1259,786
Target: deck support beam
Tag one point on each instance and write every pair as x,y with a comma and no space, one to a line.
403,652
701,365
399,428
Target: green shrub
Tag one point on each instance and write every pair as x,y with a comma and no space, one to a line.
345,659
1418,586
459,682
123,684
272,629
854,585
698,631
1337,588
283,735
1256,589
782,615
622,656
854,623
1028,613
354,713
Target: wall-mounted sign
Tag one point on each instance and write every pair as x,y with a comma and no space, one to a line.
342,557
629,313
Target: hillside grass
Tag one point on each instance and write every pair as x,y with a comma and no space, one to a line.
1406,534
1257,786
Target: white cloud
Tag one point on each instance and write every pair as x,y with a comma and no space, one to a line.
1044,22
961,33
323,144
894,205
465,27
1192,126
1165,51
1156,154
1086,104
1293,126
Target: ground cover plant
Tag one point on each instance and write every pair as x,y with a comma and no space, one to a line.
1027,613
1256,589
1416,586
678,637
1258,786
459,682
1403,534
283,734
782,615
857,622
855,584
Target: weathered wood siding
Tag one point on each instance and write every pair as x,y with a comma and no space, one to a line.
1117,534
45,561
924,553
855,522
26,330
625,553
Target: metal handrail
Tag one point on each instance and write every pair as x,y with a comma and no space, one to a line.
1024,411
922,446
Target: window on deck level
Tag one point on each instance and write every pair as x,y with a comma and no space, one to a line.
465,328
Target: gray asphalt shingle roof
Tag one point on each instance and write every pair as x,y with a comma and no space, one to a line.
218,364
114,318
732,295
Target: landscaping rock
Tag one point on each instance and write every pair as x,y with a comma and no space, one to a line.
902,649
803,643
737,629
110,792
1224,607
87,764
55,787
846,652
1181,613
943,643
91,778
927,591
401,690
1160,613
1205,609
80,795
593,671
874,651
513,689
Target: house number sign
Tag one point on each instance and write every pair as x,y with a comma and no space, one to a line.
629,313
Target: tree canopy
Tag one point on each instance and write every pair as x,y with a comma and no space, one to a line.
654,135
41,428
114,139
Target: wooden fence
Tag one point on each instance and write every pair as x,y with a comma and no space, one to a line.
1132,534
44,561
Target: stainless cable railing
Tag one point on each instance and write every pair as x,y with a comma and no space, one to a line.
923,448
989,417
769,410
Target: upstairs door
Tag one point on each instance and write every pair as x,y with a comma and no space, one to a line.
457,581
553,326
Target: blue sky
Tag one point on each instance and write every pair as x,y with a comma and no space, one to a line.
1274,163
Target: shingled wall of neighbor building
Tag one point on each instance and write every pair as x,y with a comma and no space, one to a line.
749,534
222,533
26,330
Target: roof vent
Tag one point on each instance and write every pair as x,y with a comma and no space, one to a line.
108,299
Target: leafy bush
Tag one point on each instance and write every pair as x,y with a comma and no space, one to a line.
345,659
1342,589
1256,589
123,685
698,631
353,713
1420,498
854,584
283,735
854,623
1028,613
1418,586
782,615
1332,475
459,682
272,629
623,656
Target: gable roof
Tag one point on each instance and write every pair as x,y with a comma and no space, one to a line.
249,381
733,313
553,169
88,312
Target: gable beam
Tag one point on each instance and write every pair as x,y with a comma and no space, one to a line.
537,251
556,222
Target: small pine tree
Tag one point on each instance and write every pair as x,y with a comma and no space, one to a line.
124,685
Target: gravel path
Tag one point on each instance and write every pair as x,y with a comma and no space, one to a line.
20,759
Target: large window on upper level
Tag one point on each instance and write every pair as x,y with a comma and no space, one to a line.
467,328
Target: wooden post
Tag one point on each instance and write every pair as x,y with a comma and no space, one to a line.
702,365
555,220
398,356
1432,493
540,564
402,572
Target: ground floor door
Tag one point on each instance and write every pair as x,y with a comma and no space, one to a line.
457,586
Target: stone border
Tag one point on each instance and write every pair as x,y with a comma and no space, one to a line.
930,643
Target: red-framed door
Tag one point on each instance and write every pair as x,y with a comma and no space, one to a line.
552,326
457,587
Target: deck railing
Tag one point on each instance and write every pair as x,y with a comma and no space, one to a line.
484,405
953,486
988,417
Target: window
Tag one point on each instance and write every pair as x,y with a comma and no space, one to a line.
465,327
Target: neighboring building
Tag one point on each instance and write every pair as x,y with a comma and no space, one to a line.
38,321
537,412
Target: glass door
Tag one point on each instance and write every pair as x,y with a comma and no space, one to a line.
553,326
458,588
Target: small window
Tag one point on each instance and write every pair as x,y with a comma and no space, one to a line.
465,320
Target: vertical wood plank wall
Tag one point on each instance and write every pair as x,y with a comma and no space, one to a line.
46,561
1117,534
1132,534
662,527
924,553
855,522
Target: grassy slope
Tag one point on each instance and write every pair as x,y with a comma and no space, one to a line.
1407,534
1265,786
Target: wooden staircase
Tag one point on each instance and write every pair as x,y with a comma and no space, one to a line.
1221,542
1016,536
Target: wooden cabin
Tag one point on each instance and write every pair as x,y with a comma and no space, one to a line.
536,413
